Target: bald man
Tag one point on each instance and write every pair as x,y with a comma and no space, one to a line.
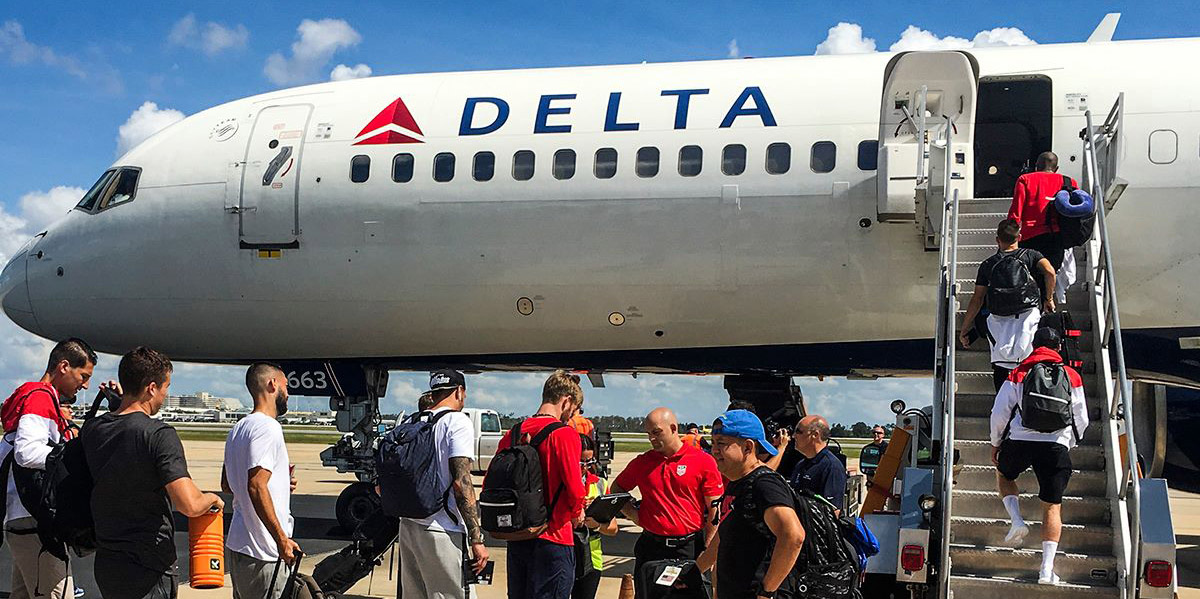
819,471
679,485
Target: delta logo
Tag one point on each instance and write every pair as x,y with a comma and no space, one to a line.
393,125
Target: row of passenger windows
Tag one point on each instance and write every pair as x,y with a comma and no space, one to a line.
822,159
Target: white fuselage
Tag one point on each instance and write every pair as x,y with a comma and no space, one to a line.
441,269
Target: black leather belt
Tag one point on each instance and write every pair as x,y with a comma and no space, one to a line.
673,542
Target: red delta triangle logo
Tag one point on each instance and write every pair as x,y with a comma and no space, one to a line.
393,125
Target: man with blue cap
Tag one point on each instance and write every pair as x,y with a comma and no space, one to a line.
761,529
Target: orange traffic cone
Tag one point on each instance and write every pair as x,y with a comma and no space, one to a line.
626,587
206,537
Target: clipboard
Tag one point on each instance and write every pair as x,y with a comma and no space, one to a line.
606,507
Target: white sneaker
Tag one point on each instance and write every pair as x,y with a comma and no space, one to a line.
1016,534
1051,580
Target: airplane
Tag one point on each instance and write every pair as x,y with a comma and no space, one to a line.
740,217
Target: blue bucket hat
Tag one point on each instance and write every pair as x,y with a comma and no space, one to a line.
743,424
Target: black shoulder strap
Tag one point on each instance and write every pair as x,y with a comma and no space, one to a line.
1067,184
101,394
438,416
514,433
545,433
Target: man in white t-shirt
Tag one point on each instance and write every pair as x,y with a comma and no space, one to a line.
433,549
257,473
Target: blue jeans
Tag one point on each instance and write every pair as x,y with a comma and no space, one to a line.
539,569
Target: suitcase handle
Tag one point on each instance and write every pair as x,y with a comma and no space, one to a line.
293,570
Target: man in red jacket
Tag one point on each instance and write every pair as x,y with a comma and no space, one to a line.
544,568
1033,207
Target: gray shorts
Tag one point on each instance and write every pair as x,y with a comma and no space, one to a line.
252,577
431,563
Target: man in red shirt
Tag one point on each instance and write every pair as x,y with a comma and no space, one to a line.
1033,207
544,568
679,486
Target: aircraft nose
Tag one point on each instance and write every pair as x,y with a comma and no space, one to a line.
14,293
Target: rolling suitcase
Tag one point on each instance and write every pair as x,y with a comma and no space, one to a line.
670,579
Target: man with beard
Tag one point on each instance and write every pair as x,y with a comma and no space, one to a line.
257,473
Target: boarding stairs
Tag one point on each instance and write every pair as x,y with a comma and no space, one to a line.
1100,510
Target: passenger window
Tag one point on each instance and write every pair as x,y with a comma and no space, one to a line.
779,158
92,197
868,154
523,165
606,163
1164,146
690,160
564,164
402,168
824,157
123,188
485,166
489,423
647,162
733,159
360,168
443,167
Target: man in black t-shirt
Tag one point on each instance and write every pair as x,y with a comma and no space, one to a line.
762,531
1011,336
139,471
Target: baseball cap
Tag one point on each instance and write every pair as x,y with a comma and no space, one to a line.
446,379
1047,337
743,424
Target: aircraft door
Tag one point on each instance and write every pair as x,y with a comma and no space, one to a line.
920,90
270,180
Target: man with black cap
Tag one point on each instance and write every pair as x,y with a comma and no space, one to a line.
758,558
1039,415
432,549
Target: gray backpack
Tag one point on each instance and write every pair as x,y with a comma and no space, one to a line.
1046,399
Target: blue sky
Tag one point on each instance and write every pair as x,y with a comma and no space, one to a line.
77,78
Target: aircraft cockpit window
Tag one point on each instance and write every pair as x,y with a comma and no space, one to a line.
92,197
868,154
523,165
691,159
564,164
606,163
733,159
779,158
443,167
402,168
485,166
824,157
360,168
123,189
647,162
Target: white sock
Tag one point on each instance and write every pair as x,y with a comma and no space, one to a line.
1013,504
1049,548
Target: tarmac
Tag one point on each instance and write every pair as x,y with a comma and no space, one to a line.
318,533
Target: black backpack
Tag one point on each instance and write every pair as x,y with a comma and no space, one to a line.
406,463
1011,287
1046,399
59,497
1074,231
512,505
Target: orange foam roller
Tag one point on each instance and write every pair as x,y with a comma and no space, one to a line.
206,545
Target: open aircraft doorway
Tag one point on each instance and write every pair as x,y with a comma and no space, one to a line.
1013,124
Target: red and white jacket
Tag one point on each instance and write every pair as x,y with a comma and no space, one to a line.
1010,395
33,419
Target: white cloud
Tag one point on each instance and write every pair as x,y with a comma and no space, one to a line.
343,72
1001,36
846,38
212,38
318,42
734,51
20,51
147,120
915,38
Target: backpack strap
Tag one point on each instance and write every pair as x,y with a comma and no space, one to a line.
1067,184
535,442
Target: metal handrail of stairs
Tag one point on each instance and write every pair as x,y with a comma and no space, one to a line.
1121,406
944,359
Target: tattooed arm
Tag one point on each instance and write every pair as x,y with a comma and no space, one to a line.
468,506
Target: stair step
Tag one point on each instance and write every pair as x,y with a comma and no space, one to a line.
1084,483
981,361
1015,563
982,587
1075,509
979,453
978,402
1076,538
976,428
984,206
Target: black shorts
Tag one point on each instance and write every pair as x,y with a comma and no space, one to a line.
1051,464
